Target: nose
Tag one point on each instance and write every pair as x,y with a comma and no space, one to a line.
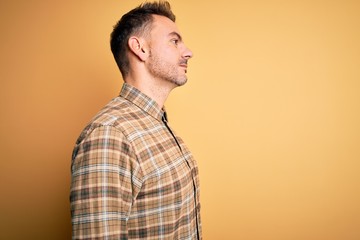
187,53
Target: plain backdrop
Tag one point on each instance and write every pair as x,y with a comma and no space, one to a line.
271,112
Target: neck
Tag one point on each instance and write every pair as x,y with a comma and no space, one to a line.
153,89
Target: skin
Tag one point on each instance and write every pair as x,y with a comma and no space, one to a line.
158,62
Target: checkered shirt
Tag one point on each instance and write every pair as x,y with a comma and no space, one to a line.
132,177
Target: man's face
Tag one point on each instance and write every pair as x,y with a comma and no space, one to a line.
168,54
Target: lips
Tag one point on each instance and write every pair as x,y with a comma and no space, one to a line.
183,63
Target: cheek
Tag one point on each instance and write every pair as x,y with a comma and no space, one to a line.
171,56
167,53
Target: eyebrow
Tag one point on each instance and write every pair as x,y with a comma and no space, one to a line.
176,34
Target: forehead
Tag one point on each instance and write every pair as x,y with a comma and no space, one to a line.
163,26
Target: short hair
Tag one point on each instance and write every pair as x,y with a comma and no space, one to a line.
137,21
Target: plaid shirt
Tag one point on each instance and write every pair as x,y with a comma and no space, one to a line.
132,177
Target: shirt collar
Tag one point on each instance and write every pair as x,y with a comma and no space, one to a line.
142,101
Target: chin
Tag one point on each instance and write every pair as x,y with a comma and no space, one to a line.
181,82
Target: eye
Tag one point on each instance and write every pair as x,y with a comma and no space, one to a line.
175,41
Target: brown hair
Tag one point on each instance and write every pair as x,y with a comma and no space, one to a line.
137,21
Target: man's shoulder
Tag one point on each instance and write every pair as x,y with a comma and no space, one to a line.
115,113
119,113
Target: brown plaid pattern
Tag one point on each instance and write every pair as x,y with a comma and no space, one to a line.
132,177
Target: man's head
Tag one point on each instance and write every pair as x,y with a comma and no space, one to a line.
136,22
148,35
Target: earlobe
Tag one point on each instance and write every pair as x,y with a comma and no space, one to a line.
136,46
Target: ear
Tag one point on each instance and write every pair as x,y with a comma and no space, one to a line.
137,46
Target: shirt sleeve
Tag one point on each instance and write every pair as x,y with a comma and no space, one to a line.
105,179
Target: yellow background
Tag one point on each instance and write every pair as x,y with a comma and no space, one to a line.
271,112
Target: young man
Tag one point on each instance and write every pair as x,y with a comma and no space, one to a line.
132,176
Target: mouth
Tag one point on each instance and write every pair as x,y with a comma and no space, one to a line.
183,64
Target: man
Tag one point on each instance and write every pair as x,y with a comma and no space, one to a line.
132,176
